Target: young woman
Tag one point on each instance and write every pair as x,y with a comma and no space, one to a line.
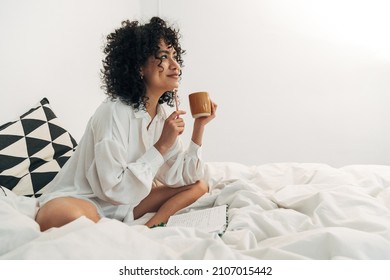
130,160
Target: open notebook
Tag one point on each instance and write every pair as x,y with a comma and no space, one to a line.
210,220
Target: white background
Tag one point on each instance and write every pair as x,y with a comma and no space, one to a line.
295,81
281,269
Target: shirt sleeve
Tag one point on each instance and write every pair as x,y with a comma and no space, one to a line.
117,181
181,167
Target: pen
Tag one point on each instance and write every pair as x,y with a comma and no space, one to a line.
177,103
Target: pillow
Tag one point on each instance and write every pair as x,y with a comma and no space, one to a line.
33,149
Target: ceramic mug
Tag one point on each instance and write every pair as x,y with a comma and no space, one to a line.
200,104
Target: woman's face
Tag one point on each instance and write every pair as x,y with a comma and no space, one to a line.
161,72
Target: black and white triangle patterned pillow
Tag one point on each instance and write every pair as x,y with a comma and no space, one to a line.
33,149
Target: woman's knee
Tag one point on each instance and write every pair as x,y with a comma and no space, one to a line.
200,187
61,211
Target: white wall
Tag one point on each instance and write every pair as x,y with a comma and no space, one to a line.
53,48
304,81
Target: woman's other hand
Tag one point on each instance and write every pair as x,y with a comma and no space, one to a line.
200,123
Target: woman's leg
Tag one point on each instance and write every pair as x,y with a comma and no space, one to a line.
63,210
167,201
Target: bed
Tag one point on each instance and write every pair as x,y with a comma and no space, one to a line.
277,211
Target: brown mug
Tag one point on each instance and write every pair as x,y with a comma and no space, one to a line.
200,104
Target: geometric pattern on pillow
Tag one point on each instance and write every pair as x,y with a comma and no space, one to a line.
33,149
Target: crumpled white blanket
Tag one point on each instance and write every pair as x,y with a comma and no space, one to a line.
276,211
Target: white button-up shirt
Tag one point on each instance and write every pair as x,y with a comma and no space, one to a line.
116,161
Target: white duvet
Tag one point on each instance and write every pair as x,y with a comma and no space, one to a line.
276,211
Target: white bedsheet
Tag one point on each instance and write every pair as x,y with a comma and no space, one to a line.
276,211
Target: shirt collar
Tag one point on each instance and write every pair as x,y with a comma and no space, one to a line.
141,113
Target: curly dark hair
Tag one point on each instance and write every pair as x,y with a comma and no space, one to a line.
127,50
